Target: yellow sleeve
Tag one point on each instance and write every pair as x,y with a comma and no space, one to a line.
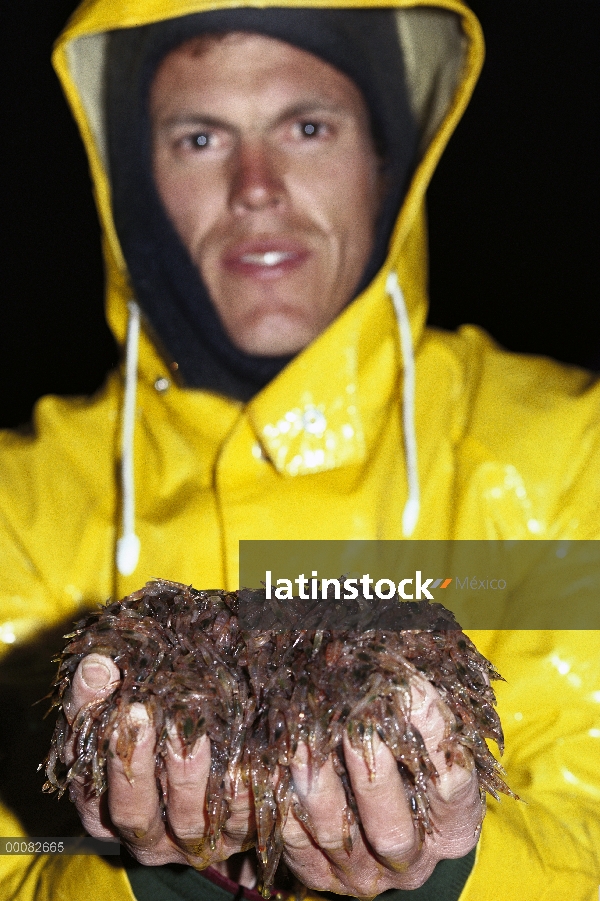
73,878
56,538
546,846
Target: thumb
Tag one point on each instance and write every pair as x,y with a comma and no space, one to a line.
95,678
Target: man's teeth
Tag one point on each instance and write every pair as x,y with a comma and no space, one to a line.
270,258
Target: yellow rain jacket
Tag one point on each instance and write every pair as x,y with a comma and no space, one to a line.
508,447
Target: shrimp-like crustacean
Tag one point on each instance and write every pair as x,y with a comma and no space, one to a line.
259,676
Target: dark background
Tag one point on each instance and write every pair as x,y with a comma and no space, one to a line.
513,207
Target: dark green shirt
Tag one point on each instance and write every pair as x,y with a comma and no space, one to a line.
181,883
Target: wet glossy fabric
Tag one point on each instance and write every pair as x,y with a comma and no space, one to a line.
509,447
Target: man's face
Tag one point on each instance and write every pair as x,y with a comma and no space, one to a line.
264,160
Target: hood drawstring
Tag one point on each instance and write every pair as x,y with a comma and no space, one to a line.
412,507
128,545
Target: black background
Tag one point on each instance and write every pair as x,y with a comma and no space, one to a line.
513,207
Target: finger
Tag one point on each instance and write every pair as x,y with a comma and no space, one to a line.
95,678
322,796
457,820
187,782
93,812
455,801
382,804
239,831
187,777
309,863
314,847
305,859
133,800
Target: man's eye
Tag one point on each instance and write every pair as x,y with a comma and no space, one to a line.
199,140
311,129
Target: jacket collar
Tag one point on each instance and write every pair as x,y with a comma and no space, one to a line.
330,403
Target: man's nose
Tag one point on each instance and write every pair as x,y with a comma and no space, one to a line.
256,181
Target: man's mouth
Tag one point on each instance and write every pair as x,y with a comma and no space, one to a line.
270,258
265,259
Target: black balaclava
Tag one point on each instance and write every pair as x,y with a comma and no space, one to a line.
363,44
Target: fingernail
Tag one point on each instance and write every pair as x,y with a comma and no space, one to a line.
301,757
139,721
419,698
179,749
175,743
95,675
301,770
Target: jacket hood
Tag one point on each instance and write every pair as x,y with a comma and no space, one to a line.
442,52
442,47
363,44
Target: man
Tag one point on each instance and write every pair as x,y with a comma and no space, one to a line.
267,187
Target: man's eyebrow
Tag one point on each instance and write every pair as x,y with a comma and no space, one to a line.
195,119
311,107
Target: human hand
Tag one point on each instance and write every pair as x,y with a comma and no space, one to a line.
386,850
130,809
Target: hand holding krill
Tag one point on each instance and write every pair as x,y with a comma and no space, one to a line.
271,696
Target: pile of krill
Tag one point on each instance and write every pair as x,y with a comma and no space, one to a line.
238,668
